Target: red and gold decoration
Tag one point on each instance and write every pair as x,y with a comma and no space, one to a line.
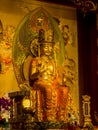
6,46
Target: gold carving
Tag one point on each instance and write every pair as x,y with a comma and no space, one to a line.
85,5
86,110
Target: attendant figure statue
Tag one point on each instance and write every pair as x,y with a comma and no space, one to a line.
49,94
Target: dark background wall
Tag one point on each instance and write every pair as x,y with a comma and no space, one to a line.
88,79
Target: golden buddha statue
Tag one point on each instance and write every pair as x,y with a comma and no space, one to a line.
48,94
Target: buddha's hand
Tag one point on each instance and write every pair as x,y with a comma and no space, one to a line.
41,68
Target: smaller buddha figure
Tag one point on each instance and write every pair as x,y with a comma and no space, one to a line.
49,94
66,35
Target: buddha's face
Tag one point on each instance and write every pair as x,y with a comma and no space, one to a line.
47,49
